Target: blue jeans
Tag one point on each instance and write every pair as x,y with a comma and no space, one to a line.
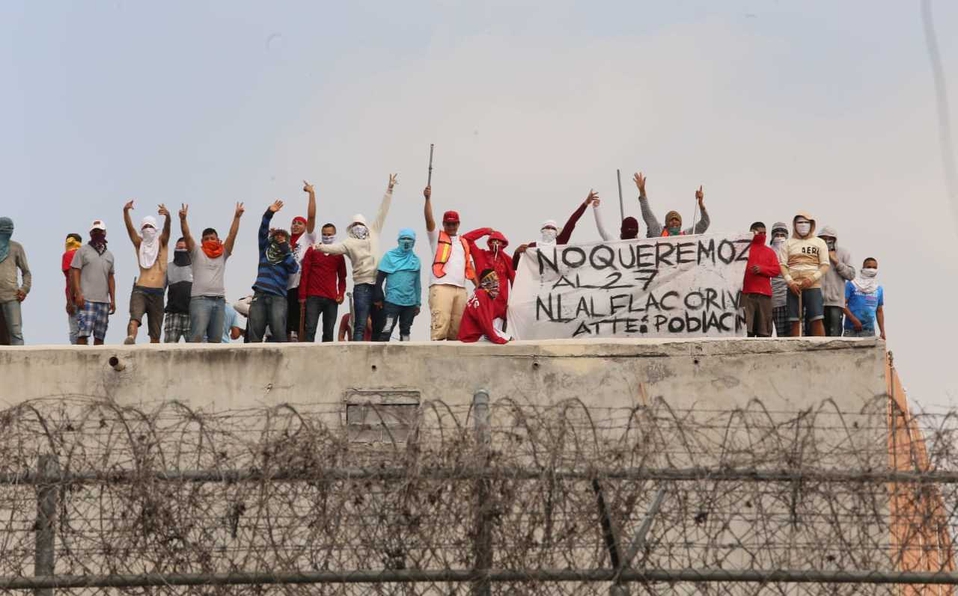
316,306
267,309
207,315
393,313
362,305
11,313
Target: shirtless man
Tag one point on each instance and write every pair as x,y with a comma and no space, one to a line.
151,255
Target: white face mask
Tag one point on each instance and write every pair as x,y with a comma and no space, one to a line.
803,228
549,236
869,273
149,234
329,239
359,231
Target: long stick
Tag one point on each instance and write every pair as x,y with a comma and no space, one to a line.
429,180
618,175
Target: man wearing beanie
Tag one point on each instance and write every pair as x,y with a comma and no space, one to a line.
804,261
673,219
833,284
629,229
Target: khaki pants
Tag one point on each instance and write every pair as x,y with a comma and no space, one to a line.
446,304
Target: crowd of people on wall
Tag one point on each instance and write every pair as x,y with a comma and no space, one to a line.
798,282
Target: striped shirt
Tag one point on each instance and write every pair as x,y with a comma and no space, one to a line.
272,278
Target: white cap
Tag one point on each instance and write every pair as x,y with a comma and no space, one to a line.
549,223
98,225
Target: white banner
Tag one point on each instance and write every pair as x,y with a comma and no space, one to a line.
678,286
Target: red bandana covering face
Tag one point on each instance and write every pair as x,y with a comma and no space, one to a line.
294,238
213,248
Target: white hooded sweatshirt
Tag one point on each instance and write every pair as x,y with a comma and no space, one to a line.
363,253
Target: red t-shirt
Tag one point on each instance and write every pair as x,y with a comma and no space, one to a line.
65,267
322,275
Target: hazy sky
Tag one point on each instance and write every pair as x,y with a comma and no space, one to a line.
774,106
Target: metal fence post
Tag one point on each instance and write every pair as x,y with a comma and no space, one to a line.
480,412
45,551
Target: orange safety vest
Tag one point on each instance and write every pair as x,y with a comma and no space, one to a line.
444,251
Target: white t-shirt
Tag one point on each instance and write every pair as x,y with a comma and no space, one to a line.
456,265
305,241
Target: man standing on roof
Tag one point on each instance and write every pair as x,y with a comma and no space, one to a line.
12,290
551,235
779,287
833,284
480,311
451,266
208,293
629,230
757,288
72,244
362,247
300,240
179,285
399,271
673,219
865,303
804,261
147,297
94,286
323,287
494,257
276,265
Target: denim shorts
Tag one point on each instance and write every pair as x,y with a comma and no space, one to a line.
812,301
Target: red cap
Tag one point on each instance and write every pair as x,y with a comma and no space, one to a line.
450,216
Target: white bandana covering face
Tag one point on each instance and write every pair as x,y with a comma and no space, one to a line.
150,243
867,281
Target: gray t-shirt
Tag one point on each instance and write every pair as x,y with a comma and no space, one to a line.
95,270
208,274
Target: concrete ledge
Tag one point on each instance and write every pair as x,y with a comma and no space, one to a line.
790,373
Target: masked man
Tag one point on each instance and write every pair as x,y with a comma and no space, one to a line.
151,253
477,319
276,264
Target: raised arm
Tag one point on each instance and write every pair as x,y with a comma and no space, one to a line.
599,225
185,228
165,234
310,207
263,234
476,234
703,223
427,210
130,230
234,229
380,220
569,227
652,225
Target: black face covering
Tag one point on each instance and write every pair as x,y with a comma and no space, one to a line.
181,258
276,251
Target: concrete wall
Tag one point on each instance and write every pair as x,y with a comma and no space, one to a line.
790,374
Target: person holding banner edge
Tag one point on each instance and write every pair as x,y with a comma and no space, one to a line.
673,219
551,236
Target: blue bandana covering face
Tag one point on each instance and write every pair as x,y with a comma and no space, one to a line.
401,258
6,231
